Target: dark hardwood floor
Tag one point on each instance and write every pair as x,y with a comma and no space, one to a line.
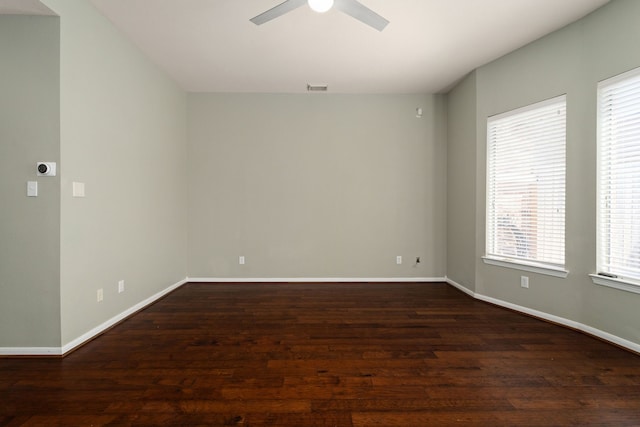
327,355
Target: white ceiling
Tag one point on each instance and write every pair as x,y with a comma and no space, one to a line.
211,46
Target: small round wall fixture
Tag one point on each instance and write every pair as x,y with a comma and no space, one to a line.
320,6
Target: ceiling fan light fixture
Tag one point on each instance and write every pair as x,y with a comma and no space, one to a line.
320,6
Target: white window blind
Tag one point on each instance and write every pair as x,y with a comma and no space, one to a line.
526,184
619,176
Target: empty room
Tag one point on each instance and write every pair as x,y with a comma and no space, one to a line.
320,213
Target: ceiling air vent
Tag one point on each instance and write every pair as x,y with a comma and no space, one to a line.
317,88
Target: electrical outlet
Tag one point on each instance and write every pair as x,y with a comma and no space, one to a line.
100,295
120,286
241,260
399,259
524,282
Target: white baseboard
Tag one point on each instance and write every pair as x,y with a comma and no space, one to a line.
614,339
460,287
120,317
30,351
312,279
59,351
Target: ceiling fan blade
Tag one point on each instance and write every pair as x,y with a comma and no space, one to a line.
277,11
362,13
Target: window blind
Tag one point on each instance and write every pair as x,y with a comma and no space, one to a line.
619,176
526,184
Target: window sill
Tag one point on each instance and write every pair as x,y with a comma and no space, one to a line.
616,283
530,267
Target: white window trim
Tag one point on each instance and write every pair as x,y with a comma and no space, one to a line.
546,269
512,263
616,283
604,279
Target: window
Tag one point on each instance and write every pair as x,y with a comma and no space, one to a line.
619,177
526,187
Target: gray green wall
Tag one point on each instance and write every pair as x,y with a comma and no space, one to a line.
123,134
570,61
461,191
76,92
316,186
29,227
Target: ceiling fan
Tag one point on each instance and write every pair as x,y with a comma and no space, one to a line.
352,8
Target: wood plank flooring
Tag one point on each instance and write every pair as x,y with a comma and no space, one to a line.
392,354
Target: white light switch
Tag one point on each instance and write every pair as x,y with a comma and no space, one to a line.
78,189
32,188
